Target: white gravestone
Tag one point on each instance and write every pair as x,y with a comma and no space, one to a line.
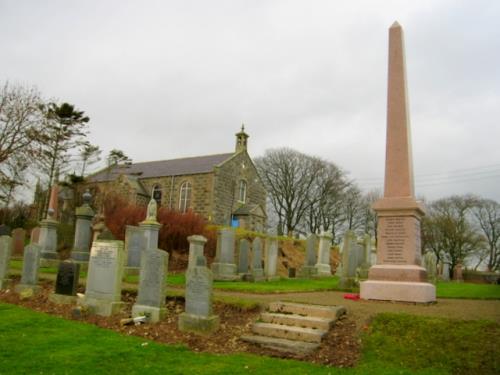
323,263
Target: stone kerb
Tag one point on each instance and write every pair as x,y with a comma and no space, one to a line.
309,269
5,254
223,267
31,264
105,272
152,286
198,316
323,262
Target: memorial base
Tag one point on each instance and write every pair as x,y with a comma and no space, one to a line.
62,299
308,272
154,314
27,290
324,270
198,324
101,307
402,291
224,271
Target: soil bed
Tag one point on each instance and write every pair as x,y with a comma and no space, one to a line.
340,348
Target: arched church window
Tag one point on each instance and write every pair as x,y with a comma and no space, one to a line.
157,194
242,195
185,196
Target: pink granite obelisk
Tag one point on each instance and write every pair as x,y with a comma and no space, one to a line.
398,274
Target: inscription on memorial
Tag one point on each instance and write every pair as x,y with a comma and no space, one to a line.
198,295
395,237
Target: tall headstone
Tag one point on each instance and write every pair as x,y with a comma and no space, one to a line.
18,238
68,274
271,257
196,248
365,261
5,253
150,226
152,285
351,253
430,264
243,255
323,262
31,263
48,232
398,274
134,247
308,269
198,316
83,230
223,267
445,272
104,277
257,270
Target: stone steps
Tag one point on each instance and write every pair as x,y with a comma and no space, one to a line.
294,327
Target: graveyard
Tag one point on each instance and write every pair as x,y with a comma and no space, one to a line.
228,300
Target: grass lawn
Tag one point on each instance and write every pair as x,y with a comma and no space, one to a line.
32,342
467,290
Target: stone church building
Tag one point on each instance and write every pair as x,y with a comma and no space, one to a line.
224,188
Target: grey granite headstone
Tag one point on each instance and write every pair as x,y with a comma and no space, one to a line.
445,273
243,255
223,267
271,261
83,230
351,254
257,270
308,269
152,285
196,248
134,245
198,315
5,253
48,242
323,262
365,261
31,263
105,272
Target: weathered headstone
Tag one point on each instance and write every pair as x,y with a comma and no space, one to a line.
257,270
83,230
198,316
445,272
196,247
430,264
31,263
323,262
5,253
151,227
398,274
68,274
5,230
35,235
243,255
18,238
48,232
308,269
271,261
105,272
223,267
365,261
152,285
351,253
134,247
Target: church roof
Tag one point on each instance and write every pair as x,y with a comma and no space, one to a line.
162,168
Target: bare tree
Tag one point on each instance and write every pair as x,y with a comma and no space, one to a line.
487,214
354,207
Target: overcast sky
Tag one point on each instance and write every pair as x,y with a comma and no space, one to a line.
169,79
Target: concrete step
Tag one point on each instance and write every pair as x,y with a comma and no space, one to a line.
319,311
288,332
283,345
297,320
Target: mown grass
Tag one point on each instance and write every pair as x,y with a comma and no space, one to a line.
32,342
467,290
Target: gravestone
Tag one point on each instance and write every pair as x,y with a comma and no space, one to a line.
323,262
68,274
430,264
83,230
445,272
351,252
134,247
198,316
398,274
5,230
29,279
271,261
223,267
243,255
309,270
365,261
5,253
18,238
48,232
35,235
458,273
105,272
151,227
257,270
152,285
196,247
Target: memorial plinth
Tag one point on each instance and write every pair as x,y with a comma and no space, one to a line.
398,274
